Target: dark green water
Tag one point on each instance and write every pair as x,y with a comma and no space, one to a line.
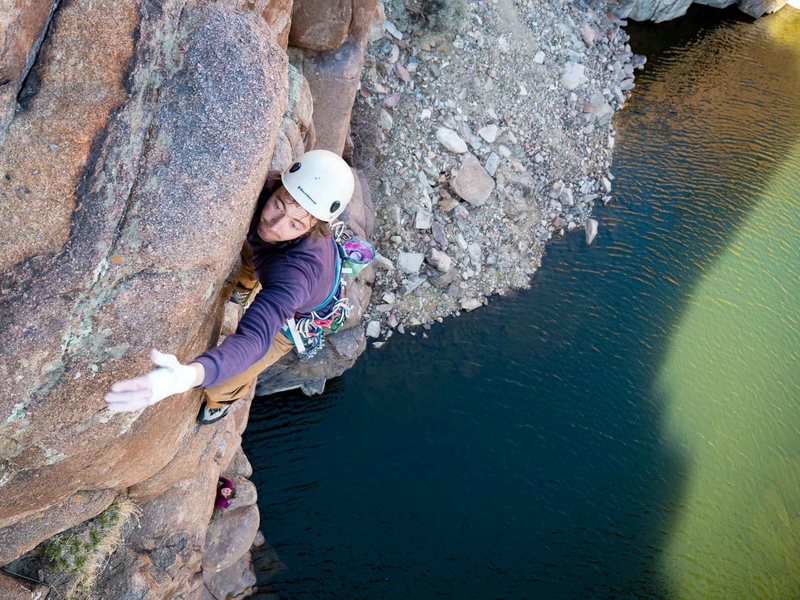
630,427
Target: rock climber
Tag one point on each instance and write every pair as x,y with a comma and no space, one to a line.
226,491
291,251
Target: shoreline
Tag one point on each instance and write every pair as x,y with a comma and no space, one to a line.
473,168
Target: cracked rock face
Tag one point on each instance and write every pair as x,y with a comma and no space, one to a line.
127,178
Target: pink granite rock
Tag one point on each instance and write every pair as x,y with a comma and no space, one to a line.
295,132
16,588
278,15
237,581
186,507
21,26
473,183
229,537
128,182
320,24
334,77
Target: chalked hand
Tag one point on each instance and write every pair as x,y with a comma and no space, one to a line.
171,377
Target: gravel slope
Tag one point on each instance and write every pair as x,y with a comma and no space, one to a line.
484,129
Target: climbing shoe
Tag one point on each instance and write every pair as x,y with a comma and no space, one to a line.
208,415
241,297
244,297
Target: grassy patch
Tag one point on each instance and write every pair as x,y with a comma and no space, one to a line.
80,553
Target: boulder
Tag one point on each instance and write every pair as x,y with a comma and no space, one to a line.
364,14
334,77
758,8
451,140
346,345
186,507
191,589
475,253
385,120
229,537
278,16
320,24
591,230
424,218
129,180
374,329
237,581
492,163
439,234
246,493
158,573
410,262
601,108
470,304
239,465
489,133
444,280
324,24
473,183
438,259
573,76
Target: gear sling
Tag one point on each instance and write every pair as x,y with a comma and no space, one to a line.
307,330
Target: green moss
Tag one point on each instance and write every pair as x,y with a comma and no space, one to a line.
52,550
74,557
80,563
69,552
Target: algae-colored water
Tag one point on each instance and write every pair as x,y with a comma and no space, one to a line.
730,378
731,384
630,427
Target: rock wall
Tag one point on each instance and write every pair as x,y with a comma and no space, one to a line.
135,138
664,10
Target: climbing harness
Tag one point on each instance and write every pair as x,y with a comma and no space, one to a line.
307,330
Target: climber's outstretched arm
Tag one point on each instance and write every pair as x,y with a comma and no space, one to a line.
171,377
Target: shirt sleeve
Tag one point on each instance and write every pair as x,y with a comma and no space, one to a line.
291,285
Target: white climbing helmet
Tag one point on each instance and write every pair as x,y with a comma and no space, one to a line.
321,182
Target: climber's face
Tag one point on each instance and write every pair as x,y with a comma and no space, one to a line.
282,219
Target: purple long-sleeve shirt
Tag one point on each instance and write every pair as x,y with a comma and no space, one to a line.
295,277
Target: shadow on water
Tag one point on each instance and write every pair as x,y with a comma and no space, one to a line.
654,39
520,451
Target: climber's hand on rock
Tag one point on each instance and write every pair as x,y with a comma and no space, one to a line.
171,377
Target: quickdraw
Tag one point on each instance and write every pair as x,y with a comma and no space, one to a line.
308,330
311,329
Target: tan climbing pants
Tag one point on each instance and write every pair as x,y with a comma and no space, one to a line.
246,280
241,385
